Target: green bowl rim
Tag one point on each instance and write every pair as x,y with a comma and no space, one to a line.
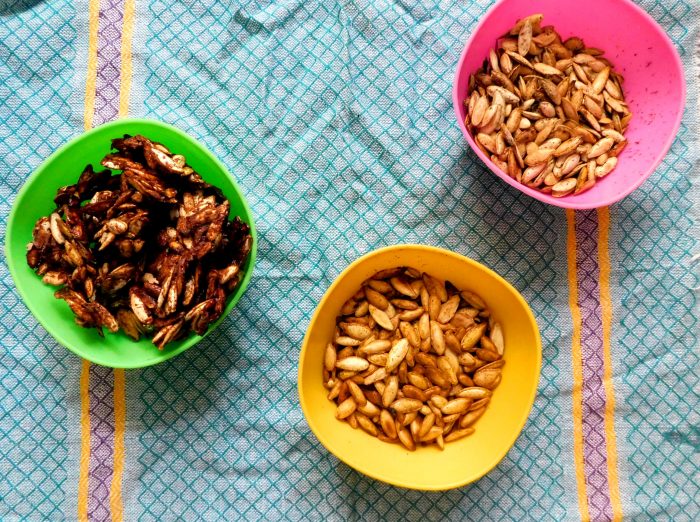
522,421
13,265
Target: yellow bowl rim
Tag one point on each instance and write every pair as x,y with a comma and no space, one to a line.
524,415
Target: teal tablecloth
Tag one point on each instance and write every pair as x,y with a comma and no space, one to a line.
336,119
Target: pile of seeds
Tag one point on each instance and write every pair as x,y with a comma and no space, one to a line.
413,360
549,113
149,250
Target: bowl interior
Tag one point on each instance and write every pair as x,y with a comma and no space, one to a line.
427,468
640,50
36,200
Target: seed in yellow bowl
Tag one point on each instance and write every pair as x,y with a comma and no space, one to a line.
407,406
432,364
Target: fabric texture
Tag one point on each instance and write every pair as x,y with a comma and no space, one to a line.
336,119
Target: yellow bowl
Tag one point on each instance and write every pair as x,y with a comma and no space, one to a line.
427,468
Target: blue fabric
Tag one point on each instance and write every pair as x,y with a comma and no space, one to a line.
36,68
336,119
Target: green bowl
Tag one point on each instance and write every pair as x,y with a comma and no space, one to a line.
36,200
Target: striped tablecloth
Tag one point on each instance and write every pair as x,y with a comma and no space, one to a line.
335,117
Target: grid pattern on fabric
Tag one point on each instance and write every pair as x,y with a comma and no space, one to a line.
336,118
593,393
36,58
101,400
656,341
109,60
337,121
658,345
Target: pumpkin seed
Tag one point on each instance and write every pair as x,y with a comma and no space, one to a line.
403,287
406,439
525,38
497,338
448,309
376,299
564,187
471,417
396,355
381,317
357,331
345,408
387,424
411,379
406,405
472,336
377,375
353,364
566,91
458,434
459,405
329,358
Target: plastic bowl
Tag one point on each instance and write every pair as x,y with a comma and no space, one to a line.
640,50
35,200
427,468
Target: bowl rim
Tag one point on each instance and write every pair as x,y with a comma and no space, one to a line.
524,415
570,201
13,264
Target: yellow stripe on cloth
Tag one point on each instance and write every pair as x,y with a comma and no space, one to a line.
116,504
125,76
576,362
85,441
115,494
88,113
606,308
91,76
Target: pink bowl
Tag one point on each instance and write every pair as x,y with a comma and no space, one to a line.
640,50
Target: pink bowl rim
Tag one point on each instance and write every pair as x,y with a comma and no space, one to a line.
570,201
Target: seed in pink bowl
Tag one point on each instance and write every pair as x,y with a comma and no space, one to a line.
549,112
641,52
